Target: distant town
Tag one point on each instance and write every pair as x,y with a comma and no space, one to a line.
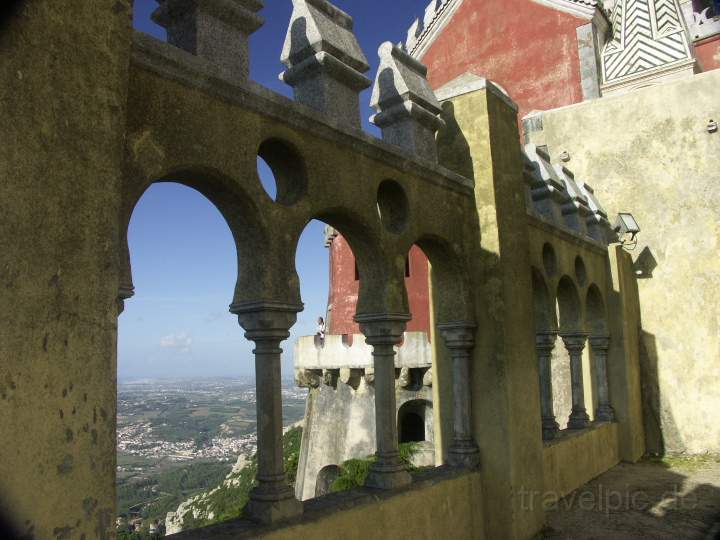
179,437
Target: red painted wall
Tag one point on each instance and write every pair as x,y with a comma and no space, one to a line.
529,49
344,290
707,51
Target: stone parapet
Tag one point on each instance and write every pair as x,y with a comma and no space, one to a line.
555,196
339,352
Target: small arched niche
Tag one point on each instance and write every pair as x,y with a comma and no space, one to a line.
595,317
415,421
568,306
545,316
393,207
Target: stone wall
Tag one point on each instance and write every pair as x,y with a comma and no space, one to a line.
62,100
576,458
437,503
651,153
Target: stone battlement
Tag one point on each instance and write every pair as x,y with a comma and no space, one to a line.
342,351
555,196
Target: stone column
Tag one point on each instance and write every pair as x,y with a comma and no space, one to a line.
217,30
544,345
460,339
268,324
599,347
575,343
383,332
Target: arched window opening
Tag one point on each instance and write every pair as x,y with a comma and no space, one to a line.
179,349
413,418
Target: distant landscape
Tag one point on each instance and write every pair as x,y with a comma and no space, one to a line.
179,437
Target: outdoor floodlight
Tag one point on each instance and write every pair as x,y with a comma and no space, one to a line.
626,224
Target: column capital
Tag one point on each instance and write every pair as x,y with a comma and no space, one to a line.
545,341
459,334
599,342
574,341
383,328
266,320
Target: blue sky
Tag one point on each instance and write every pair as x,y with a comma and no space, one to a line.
183,257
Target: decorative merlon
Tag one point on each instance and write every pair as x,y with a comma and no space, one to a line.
324,60
557,197
649,45
407,109
217,30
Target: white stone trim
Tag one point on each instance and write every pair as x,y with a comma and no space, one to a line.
580,8
431,31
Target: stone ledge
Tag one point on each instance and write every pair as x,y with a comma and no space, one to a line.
534,220
566,435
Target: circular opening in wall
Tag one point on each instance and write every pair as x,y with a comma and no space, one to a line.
281,171
392,206
580,272
549,260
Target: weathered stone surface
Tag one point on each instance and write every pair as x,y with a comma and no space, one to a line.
324,60
217,30
407,109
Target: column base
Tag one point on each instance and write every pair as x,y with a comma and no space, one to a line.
579,420
550,428
266,509
464,455
605,413
387,476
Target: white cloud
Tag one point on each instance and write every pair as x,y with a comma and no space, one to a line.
179,342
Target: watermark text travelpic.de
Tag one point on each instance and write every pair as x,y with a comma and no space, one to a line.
607,500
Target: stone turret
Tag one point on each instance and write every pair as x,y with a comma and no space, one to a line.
407,109
324,60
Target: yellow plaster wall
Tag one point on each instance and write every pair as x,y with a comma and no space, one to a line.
576,458
451,506
649,152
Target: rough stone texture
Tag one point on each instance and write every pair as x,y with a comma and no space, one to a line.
407,109
324,60
649,155
62,100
